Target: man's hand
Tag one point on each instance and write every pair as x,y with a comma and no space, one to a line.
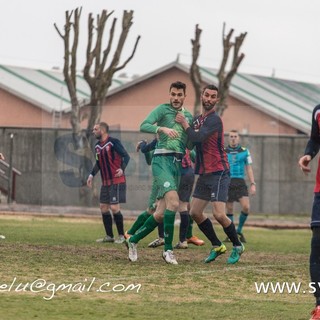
119,173
138,146
252,189
169,132
182,120
1,156
304,164
89,181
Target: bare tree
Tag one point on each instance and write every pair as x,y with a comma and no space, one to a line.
100,79
195,72
96,72
224,76
70,64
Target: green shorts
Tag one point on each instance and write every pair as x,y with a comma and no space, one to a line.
153,196
166,171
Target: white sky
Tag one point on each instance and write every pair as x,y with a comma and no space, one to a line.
283,35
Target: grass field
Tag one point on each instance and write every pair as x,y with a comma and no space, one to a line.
98,282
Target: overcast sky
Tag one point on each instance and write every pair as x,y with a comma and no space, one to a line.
283,35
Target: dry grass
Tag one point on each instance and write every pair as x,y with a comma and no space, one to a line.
63,251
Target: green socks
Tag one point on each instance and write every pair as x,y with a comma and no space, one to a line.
168,221
139,222
147,228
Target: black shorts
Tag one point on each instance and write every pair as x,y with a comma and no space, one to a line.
213,187
114,194
315,217
186,185
237,189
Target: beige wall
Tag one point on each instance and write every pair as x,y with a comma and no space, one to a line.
19,113
248,120
126,109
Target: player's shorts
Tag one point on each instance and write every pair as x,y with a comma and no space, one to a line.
166,171
237,189
153,196
114,194
186,184
315,217
213,186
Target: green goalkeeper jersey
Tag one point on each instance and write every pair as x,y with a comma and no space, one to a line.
164,116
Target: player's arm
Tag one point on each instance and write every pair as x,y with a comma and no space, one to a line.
304,163
119,148
147,147
208,128
93,172
310,152
149,124
250,176
1,156
313,144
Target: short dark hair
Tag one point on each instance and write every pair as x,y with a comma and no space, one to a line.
104,125
178,85
210,87
234,131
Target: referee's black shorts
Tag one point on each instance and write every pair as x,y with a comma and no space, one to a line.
237,189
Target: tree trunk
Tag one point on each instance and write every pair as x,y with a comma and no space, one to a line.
195,72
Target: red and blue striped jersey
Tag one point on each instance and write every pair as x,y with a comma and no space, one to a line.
208,137
186,160
313,145
110,156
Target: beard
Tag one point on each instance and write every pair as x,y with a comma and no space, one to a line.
208,106
98,136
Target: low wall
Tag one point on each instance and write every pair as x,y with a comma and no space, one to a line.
54,172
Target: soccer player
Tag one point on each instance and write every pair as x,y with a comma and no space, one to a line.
111,161
166,168
310,152
240,162
184,192
214,177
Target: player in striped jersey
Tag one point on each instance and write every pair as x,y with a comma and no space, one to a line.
310,152
111,161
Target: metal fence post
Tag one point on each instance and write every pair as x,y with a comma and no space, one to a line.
10,168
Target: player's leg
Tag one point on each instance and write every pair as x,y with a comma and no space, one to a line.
219,185
117,196
172,204
205,225
150,224
167,172
141,219
229,208
245,207
106,214
315,253
232,197
184,225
